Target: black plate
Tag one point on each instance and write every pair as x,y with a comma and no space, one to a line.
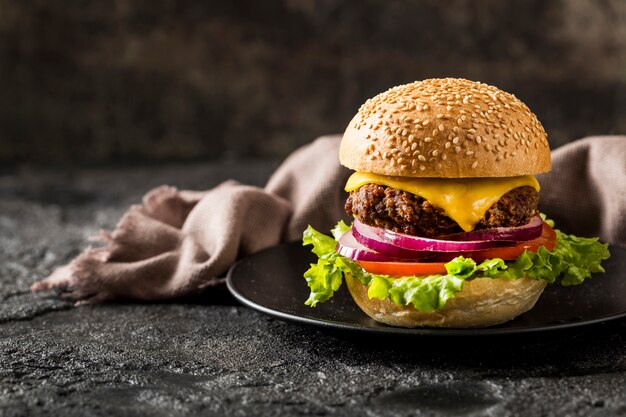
271,282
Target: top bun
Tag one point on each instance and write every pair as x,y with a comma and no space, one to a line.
445,128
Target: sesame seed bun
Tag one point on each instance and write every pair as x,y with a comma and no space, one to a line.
445,128
482,302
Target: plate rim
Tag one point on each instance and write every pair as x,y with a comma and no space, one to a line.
419,331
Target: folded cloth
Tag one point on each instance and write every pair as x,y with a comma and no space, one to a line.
181,242
585,193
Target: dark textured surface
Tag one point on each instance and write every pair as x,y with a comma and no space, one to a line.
192,357
159,79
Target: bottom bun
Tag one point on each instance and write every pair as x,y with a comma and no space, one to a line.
482,302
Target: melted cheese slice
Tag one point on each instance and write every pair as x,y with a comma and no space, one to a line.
464,200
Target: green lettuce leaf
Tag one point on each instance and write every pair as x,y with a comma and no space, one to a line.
574,259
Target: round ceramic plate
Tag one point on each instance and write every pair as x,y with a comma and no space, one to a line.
271,282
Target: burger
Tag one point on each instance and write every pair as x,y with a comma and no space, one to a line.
446,229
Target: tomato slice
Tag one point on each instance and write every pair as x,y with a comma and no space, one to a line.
404,269
400,269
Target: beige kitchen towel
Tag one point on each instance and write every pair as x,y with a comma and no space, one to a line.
181,242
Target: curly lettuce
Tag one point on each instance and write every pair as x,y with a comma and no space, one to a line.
573,260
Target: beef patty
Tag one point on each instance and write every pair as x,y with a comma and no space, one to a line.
403,212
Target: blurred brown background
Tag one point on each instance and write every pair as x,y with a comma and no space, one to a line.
149,80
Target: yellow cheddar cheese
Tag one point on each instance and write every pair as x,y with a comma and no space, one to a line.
464,200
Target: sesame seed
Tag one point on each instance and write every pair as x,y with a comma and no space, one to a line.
421,157
469,153
478,139
425,122
411,138
443,156
439,116
457,149
422,167
429,139
404,132
435,152
474,164
441,127
448,108
469,136
447,145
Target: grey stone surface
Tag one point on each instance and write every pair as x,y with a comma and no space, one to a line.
209,356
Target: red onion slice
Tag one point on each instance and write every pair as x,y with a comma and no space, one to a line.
529,231
368,236
386,241
350,248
